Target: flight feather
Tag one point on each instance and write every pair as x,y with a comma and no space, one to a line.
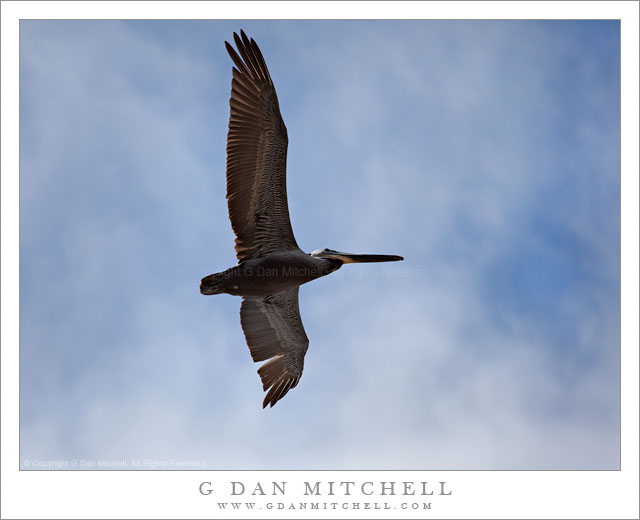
256,157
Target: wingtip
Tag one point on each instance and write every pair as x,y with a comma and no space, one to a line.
267,402
237,39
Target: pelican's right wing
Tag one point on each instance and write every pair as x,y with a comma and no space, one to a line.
274,331
256,157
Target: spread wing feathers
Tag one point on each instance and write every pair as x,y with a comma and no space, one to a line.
274,331
256,157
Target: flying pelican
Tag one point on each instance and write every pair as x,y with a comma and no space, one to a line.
270,266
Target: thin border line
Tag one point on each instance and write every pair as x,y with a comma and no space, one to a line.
620,28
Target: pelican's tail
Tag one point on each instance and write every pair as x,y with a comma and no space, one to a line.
213,284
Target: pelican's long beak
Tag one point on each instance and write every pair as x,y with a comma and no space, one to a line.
350,258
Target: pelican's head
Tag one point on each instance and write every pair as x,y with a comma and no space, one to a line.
350,258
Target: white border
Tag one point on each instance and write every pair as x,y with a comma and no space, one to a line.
495,494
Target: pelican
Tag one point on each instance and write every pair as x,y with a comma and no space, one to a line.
271,267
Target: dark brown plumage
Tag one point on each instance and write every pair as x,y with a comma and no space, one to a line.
271,265
273,329
256,157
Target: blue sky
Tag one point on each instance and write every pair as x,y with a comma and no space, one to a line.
486,153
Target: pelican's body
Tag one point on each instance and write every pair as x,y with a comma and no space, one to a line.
271,266
269,274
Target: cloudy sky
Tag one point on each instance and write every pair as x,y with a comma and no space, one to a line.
485,153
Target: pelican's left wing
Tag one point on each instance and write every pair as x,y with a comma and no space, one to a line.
256,157
274,331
